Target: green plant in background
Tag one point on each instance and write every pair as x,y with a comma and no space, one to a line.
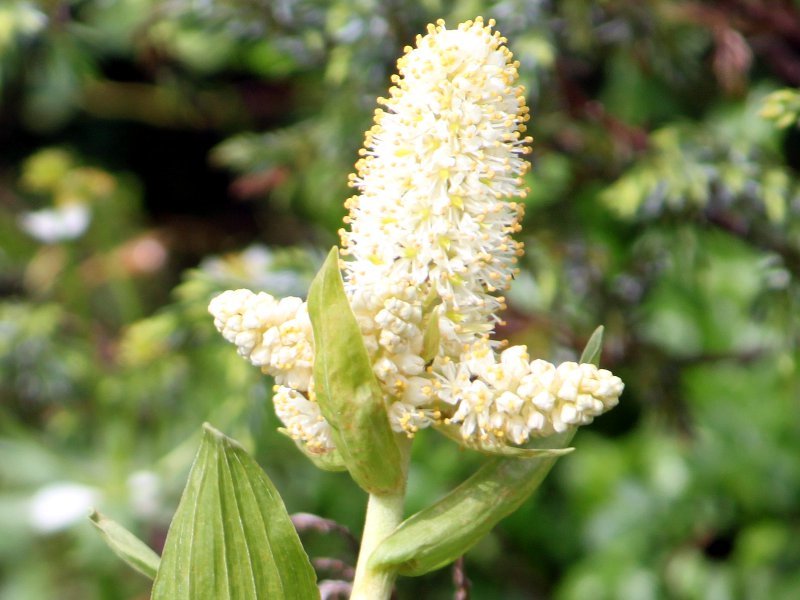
400,345
685,490
783,107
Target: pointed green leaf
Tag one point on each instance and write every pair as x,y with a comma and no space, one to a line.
329,461
231,537
126,545
453,432
439,534
348,393
591,354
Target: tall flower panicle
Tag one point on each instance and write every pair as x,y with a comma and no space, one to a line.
430,229
429,247
438,177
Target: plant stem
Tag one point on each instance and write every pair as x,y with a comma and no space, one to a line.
384,513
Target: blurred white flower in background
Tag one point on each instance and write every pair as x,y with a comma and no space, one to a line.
145,494
19,20
57,506
51,225
280,273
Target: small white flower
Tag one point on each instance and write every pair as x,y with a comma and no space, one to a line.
415,408
51,225
57,506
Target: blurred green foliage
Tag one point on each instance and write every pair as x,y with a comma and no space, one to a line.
664,205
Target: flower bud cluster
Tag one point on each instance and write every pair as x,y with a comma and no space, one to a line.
276,336
391,321
303,419
508,398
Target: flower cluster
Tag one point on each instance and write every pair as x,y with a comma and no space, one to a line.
433,219
505,398
438,169
274,334
430,243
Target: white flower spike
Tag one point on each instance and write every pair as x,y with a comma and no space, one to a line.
439,172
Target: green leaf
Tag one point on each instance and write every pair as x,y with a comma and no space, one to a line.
126,545
453,432
348,394
231,537
444,531
591,353
329,461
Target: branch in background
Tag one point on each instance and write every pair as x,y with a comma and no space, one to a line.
334,566
779,17
460,580
305,522
633,139
772,33
257,185
780,57
732,59
331,589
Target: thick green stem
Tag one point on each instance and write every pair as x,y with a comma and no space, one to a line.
384,514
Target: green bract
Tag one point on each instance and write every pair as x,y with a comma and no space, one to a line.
432,337
594,347
441,533
453,432
328,461
348,393
126,545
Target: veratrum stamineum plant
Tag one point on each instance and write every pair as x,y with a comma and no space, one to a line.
394,338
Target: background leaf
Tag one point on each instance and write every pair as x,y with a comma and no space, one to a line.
348,393
231,537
